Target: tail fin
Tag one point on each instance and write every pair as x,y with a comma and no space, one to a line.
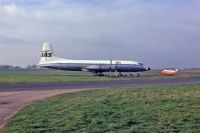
47,53
47,50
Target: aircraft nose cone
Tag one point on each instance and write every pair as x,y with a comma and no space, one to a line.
147,68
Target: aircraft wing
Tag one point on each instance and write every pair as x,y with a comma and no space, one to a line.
96,68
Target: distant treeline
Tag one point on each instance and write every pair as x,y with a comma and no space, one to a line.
10,67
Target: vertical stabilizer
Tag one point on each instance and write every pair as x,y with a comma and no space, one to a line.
47,53
47,50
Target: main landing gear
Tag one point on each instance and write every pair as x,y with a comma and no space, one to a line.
99,74
119,74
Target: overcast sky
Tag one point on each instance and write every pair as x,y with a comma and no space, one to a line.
159,33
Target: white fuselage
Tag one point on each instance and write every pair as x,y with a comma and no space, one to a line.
49,60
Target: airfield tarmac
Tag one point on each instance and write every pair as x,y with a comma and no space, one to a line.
99,84
13,97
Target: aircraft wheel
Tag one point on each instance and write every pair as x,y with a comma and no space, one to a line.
100,74
138,74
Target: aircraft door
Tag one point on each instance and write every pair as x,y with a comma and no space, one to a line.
114,67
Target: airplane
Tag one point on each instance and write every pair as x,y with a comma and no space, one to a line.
50,60
169,72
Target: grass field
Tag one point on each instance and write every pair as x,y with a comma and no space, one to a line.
121,110
52,76
45,76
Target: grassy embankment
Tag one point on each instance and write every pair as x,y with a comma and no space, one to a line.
143,109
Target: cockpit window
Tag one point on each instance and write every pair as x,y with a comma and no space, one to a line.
140,63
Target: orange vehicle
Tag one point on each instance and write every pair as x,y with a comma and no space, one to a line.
169,72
